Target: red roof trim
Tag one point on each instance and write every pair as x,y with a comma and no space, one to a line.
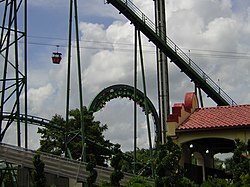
178,108
218,117
188,101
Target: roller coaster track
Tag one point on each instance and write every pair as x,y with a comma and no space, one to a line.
54,164
171,50
126,91
30,120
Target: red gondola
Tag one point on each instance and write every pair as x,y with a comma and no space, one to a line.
56,57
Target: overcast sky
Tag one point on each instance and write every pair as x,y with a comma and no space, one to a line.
214,33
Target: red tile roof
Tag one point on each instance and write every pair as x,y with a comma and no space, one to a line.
217,117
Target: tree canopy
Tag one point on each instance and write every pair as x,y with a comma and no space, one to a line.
69,136
239,164
143,164
168,170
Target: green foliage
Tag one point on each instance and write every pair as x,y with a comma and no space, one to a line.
186,182
239,165
38,173
138,182
92,172
245,180
216,182
7,177
116,163
55,141
168,170
142,155
143,166
106,184
52,139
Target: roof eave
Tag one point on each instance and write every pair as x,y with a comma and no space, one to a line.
213,128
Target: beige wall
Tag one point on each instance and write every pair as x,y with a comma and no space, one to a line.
231,134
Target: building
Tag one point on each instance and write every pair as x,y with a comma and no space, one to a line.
204,132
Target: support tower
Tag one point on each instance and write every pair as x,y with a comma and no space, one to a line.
162,68
13,67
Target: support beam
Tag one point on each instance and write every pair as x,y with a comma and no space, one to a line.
162,69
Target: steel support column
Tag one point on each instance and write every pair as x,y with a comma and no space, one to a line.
162,68
73,7
13,67
135,96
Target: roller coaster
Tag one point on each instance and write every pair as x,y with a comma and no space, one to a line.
126,91
171,50
14,70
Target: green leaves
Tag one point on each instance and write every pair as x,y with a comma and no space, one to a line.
92,172
69,136
240,164
138,182
116,163
168,171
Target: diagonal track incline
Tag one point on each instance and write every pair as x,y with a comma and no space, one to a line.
172,51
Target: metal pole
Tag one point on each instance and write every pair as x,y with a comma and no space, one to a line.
201,100
3,24
162,69
5,68
135,107
1,45
68,76
25,73
17,76
80,84
146,103
197,88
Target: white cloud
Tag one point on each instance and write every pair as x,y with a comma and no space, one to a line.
92,31
224,32
109,66
38,98
192,26
109,69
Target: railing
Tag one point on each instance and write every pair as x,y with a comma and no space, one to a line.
189,62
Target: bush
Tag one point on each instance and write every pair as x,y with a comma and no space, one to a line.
138,182
216,182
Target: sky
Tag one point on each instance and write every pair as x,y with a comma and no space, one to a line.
214,33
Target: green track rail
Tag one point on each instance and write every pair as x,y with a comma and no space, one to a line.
30,120
172,51
126,91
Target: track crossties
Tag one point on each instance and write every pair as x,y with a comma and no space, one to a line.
125,91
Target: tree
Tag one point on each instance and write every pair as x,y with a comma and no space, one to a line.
239,164
38,173
116,163
138,182
167,164
55,141
168,171
216,182
92,172
143,164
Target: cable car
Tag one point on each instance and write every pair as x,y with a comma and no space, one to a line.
56,57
